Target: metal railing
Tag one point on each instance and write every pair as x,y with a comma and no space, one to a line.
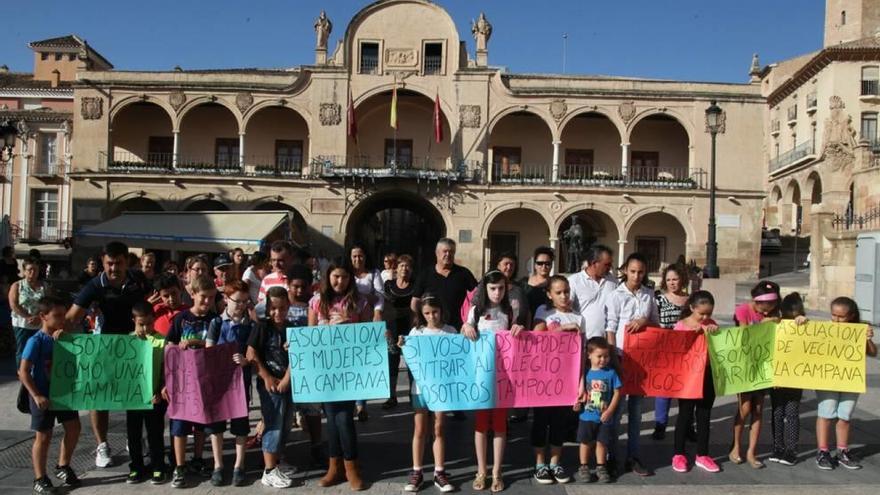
869,220
369,65
433,64
47,169
506,173
792,113
366,166
799,152
41,233
870,87
601,176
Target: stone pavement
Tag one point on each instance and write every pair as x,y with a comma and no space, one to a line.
385,454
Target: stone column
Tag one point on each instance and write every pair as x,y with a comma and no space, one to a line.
23,184
555,174
554,245
241,150
621,247
624,158
176,150
821,222
487,255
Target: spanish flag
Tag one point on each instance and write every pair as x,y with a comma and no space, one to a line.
394,105
438,121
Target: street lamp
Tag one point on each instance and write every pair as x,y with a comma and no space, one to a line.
714,123
7,141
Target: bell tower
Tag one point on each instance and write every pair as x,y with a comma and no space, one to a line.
849,20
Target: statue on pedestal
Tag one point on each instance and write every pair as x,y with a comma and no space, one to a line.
574,245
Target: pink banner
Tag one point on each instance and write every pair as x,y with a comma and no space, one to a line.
204,385
537,369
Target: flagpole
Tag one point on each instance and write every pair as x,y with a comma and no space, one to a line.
394,139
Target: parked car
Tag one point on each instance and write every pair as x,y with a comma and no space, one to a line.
770,242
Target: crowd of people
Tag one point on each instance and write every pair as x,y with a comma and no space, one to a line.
251,301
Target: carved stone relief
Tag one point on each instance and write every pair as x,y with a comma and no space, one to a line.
470,115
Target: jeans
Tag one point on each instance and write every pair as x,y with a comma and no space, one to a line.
276,409
633,405
154,422
341,433
661,410
21,337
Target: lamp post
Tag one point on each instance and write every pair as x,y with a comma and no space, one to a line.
714,122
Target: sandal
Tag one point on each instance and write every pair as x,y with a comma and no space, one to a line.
735,458
755,463
497,484
479,482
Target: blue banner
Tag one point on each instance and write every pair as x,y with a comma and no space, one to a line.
333,363
453,373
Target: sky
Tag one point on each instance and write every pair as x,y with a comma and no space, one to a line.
692,40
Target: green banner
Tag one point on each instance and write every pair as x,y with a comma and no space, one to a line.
101,372
742,358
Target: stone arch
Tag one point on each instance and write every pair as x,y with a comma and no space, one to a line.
204,203
292,105
524,205
686,226
793,192
202,100
659,241
598,226
586,109
775,194
518,229
609,212
674,114
414,87
813,187
135,202
120,105
533,109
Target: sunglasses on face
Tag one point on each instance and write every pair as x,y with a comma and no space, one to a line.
543,263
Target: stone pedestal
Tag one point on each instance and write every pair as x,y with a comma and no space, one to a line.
482,58
320,56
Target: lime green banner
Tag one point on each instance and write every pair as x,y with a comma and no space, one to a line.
742,358
101,372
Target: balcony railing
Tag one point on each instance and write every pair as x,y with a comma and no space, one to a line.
792,113
870,87
365,166
796,154
47,169
40,233
433,64
163,163
369,65
600,176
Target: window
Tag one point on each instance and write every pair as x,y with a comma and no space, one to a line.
288,156
226,153
49,151
578,164
369,58
870,77
653,249
869,127
160,150
44,223
843,18
644,165
399,155
44,56
776,148
58,57
506,162
71,57
433,58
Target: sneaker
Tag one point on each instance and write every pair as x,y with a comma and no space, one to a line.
602,474
584,475
441,481
637,467
44,485
287,469
414,483
559,474
679,463
159,478
389,404
659,432
824,460
848,460
543,475
178,479
276,479
776,456
217,477
788,459
238,477
706,463
135,477
67,476
103,455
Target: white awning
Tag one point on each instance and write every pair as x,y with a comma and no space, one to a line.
206,231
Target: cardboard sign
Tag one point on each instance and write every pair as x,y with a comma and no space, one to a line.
204,385
820,355
101,372
339,362
452,372
742,358
537,369
664,363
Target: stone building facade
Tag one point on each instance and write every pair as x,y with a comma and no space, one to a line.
519,156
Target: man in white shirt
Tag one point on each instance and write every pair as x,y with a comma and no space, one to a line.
591,288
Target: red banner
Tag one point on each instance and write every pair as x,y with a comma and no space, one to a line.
664,363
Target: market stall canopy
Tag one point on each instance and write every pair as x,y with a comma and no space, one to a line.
206,231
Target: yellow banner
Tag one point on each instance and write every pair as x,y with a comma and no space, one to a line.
820,355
